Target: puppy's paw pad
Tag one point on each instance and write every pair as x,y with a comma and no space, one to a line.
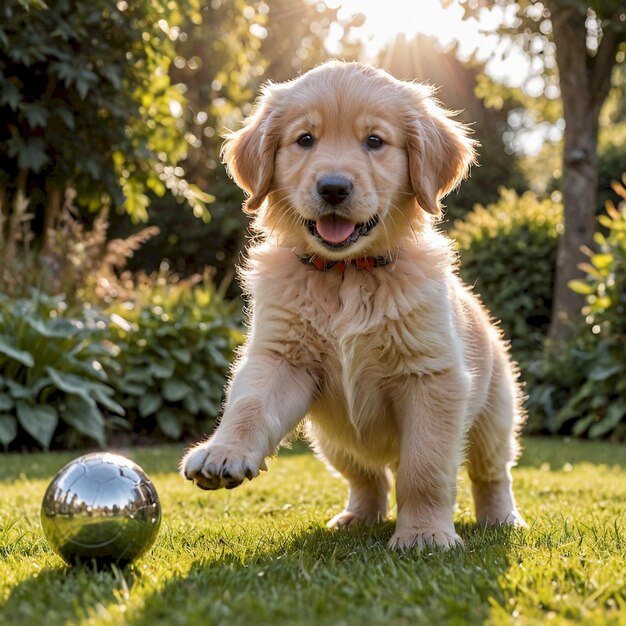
347,519
424,538
215,466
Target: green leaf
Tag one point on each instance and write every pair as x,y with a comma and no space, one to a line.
22,392
36,115
175,390
614,415
217,357
130,388
207,405
38,420
149,404
6,402
602,261
581,425
10,95
163,369
67,116
22,356
72,384
103,394
136,204
138,375
84,79
602,371
191,403
112,74
580,286
90,391
194,372
572,407
84,417
32,155
8,429
182,354
169,423
55,328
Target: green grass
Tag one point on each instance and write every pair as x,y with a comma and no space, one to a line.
260,554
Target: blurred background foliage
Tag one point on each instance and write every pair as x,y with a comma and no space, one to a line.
504,239
120,230
219,66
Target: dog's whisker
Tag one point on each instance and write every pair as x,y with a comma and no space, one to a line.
286,188
386,230
288,220
394,192
399,211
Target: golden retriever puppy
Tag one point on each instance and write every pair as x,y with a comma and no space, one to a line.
359,322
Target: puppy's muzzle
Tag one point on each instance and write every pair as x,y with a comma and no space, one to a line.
334,189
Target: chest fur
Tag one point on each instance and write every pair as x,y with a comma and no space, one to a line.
362,336
370,327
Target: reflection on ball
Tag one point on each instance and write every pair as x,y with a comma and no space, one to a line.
101,506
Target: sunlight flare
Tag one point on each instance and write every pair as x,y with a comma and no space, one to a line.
393,20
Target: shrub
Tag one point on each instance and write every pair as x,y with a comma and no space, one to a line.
53,386
582,388
152,360
174,343
154,365
508,252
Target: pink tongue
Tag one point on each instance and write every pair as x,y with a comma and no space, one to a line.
334,229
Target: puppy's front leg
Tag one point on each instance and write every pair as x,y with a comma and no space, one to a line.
430,411
267,399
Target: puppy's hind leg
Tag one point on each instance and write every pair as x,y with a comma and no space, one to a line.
368,494
493,450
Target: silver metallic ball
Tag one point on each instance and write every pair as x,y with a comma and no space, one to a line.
101,506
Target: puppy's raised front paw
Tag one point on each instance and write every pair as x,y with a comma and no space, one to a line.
214,466
424,538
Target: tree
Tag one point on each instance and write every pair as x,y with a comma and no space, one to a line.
581,40
86,102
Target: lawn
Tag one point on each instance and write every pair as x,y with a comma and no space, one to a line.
260,554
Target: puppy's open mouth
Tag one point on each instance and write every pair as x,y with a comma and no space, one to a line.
335,231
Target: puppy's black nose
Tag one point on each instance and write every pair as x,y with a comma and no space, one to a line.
334,188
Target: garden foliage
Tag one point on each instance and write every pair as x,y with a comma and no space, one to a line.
155,366
173,346
581,389
77,74
109,351
51,376
508,253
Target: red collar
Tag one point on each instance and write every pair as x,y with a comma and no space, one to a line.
367,263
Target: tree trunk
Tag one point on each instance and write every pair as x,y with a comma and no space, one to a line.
580,196
584,83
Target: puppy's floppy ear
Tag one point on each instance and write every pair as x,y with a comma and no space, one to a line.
249,152
439,149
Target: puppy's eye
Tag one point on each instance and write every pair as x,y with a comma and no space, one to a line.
374,142
306,140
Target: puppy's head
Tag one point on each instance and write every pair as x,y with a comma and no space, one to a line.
346,160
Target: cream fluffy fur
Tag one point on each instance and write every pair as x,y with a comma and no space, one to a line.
395,370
